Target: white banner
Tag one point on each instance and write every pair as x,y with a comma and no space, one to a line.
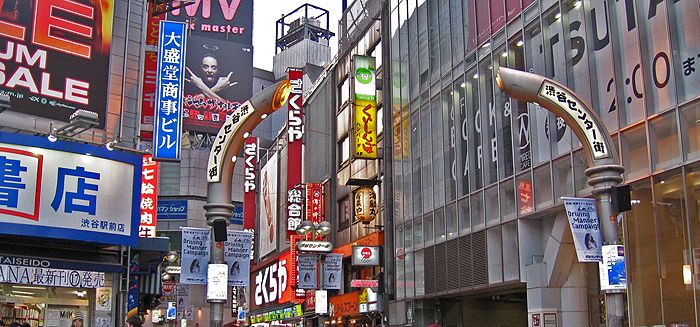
585,228
237,254
217,278
195,255
333,271
307,272
51,277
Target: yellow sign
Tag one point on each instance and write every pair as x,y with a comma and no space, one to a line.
365,143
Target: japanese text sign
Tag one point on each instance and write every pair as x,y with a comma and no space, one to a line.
295,205
585,228
272,283
56,56
314,202
169,80
250,175
577,112
68,190
149,197
223,141
365,145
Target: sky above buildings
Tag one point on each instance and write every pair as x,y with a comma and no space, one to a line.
265,15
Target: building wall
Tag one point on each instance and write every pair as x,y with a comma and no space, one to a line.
473,168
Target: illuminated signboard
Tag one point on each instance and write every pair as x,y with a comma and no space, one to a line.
149,197
365,144
295,138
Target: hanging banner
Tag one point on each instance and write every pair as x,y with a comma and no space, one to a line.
333,271
250,182
183,300
613,275
237,255
365,141
150,66
295,138
149,197
585,228
295,202
267,221
217,278
195,255
169,80
314,202
307,272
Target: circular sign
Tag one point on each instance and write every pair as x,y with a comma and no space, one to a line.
363,75
168,287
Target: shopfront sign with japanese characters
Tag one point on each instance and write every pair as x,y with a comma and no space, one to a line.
149,197
272,284
295,208
68,190
169,81
56,273
250,176
223,141
365,255
577,113
365,145
314,202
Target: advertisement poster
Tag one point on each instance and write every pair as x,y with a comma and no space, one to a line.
195,255
333,271
612,270
57,57
237,254
219,67
62,316
103,299
307,272
268,211
217,278
50,189
182,292
365,140
585,228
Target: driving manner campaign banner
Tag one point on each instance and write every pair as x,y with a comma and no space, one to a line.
585,228
54,56
195,255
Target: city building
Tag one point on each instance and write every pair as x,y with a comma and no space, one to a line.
481,235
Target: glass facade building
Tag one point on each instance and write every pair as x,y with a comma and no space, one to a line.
478,177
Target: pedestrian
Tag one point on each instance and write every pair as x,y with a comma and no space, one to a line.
134,322
15,324
26,324
77,319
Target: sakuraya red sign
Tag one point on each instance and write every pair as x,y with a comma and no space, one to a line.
149,197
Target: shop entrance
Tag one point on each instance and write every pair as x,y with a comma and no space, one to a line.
493,310
45,306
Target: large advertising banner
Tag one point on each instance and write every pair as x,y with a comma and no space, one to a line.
219,67
195,255
53,189
365,140
56,56
268,213
585,228
237,251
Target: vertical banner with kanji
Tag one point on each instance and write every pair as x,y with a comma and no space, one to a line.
149,197
295,208
314,202
150,66
250,182
295,138
169,80
365,141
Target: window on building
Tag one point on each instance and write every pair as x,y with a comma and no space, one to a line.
344,150
634,152
344,91
690,125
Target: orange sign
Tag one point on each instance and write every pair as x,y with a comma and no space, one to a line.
374,239
346,304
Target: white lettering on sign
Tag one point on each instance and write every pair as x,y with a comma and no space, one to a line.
294,208
295,128
571,107
271,282
251,154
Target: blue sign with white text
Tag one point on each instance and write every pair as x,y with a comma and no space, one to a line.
169,81
237,217
172,209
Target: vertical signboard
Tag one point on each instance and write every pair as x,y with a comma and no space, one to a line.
613,275
585,228
365,140
250,175
268,212
150,65
314,202
295,138
307,271
216,85
237,255
295,202
149,197
195,255
56,56
169,80
333,271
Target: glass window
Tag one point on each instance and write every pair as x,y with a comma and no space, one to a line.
511,263
507,199
451,220
642,260
377,54
413,75
411,279
477,210
426,160
578,61
669,201
543,187
438,160
602,70
344,149
400,278
428,228
526,200
343,121
693,185
456,30
492,212
469,17
408,236
344,90
440,235
632,102
686,17
398,238
169,179
657,66
494,248
445,52
535,63
471,135
563,178
406,169
425,50
420,273
449,140
434,30
464,217
418,232
580,178
416,165
663,135
380,120
504,146
487,120
634,152
516,59
690,127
